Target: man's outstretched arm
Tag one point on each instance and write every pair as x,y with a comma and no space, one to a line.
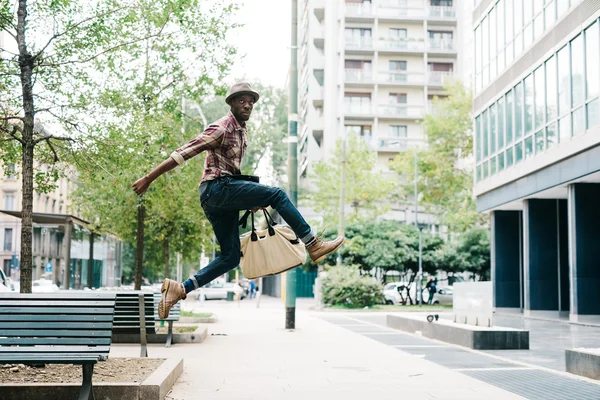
142,184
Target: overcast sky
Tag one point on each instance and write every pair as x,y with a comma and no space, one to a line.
264,41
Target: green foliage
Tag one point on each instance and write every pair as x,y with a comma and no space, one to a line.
474,250
445,176
344,285
366,189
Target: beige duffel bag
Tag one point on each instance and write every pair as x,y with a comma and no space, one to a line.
270,251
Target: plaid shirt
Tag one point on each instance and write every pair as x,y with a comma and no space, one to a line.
226,143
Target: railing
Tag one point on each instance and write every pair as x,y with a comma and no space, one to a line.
412,9
441,44
439,78
401,77
358,75
358,109
359,10
362,42
400,111
410,44
392,144
443,12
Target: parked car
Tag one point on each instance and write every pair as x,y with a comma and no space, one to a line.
444,295
217,290
44,286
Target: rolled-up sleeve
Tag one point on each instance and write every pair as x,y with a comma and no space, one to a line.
209,139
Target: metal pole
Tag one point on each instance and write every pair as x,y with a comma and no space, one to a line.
290,298
419,282
342,198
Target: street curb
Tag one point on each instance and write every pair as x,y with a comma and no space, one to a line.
155,387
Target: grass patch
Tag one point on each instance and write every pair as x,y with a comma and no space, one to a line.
196,315
396,308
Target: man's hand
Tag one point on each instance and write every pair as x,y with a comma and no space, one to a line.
257,209
141,185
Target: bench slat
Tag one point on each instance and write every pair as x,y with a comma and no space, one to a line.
54,303
55,310
54,349
49,359
59,296
31,341
58,325
53,333
56,318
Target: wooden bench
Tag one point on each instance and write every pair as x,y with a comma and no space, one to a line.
174,315
57,328
134,314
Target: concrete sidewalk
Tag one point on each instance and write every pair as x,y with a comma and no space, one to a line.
248,355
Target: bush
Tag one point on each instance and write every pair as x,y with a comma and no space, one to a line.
345,286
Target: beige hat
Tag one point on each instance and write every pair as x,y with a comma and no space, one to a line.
241,88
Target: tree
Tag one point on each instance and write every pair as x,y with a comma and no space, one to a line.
267,128
141,97
365,188
474,253
445,173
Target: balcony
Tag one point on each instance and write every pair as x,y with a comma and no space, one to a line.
355,75
409,45
401,78
442,13
439,78
359,11
441,47
359,110
400,111
392,144
401,10
362,43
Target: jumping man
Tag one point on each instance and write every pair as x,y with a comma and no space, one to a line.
222,196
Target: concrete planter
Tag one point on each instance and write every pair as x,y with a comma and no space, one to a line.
583,362
198,336
155,387
196,320
473,337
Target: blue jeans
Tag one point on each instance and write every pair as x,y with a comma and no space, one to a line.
222,200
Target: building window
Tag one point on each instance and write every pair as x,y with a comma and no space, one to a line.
53,206
500,126
8,239
539,141
397,65
509,157
551,89
578,121
9,201
518,111
362,131
485,131
358,103
564,81
509,117
540,95
529,104
564,128
551,136
440,3
500,38
397,34
478,138
398,131
397,98
493,129
518,152
577,71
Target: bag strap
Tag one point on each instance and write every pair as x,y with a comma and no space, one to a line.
270,222
253,236
244,219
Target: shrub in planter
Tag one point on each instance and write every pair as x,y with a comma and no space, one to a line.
345,286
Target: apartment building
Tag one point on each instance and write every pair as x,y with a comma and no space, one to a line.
537,144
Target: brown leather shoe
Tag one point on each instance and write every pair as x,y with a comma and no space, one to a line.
172,292
320,249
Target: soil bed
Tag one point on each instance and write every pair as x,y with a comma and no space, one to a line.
177,329
112,370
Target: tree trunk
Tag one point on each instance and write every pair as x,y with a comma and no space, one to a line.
166,256
139,251
26,67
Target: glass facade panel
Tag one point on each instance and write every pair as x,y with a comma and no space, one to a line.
493,166
518,111
485,170
510,157
550,14
564,81
539,141
529,147
493,41
518,152
578,121
500,123
493,129
485,48
540,95
538,26
551,86
478,173
562,6
485,132
564,129
551,135
509,117
592,49
500,162
500,34
529,104
577,71
478,138
593,113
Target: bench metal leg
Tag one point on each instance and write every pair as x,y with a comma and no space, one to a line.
87,391
170,334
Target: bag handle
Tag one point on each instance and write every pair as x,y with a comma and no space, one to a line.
270,222
253,236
